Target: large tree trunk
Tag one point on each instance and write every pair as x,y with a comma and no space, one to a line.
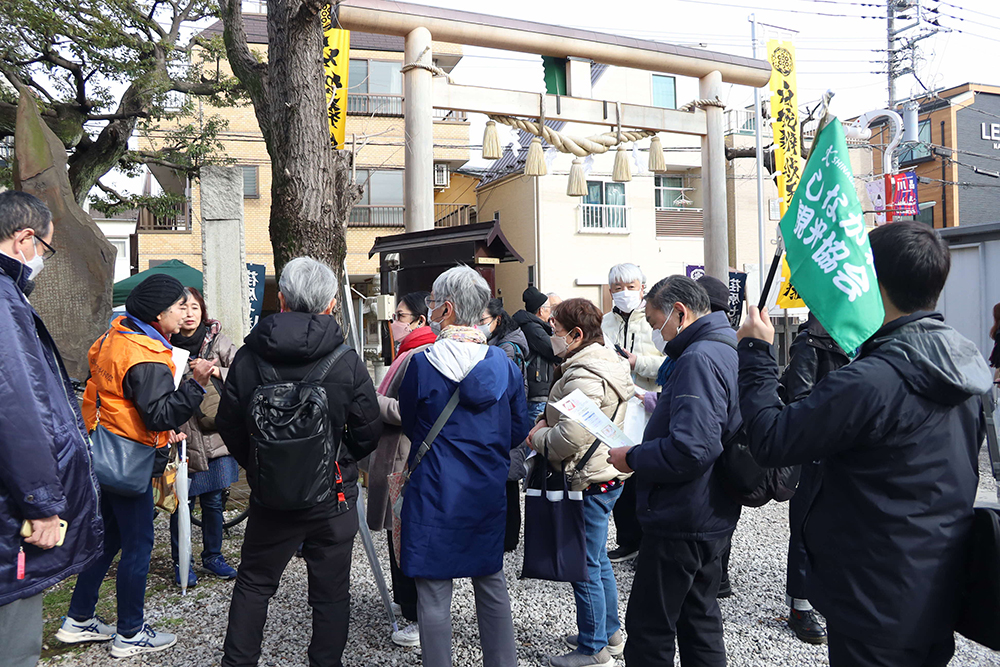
311,190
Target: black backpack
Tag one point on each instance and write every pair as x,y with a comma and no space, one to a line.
748,483
293,464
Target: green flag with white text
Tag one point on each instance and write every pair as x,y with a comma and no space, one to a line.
827,244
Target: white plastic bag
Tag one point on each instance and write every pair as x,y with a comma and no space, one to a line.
635,419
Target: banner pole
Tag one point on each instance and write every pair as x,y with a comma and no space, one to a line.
775,263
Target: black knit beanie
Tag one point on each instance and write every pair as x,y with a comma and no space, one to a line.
718,293
533,299
153,295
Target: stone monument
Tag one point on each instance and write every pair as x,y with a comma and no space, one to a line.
223,256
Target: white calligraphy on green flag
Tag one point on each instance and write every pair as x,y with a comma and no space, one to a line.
827,244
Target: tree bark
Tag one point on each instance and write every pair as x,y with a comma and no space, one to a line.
311,189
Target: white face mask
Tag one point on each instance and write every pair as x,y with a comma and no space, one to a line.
627,300
434,325
559,345
34,265
485,330
658,341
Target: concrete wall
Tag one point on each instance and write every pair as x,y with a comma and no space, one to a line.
972,289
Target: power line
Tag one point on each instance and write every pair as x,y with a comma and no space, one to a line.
784,9
965,9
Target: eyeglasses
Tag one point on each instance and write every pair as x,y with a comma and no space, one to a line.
486,320
398,316
431,303
47,250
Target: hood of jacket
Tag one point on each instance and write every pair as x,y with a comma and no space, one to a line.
289,338
517,337
523,317
481,372
933,359
595,359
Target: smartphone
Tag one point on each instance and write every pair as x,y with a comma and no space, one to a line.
620,351
26,531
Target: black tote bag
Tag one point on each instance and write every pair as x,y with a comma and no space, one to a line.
555,538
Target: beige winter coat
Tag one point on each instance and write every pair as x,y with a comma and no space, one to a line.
597,373
203,447
392,452
638,339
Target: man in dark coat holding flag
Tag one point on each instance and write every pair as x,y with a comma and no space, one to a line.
898,433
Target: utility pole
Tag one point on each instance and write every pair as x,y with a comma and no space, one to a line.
890,13
758,120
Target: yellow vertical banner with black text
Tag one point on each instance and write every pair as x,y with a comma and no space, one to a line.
336,65
787,144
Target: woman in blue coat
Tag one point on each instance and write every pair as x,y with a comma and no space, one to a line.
453,516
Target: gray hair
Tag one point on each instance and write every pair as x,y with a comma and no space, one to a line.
674,289
19,210
468,292
626,273
308,285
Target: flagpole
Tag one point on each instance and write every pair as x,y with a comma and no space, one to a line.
758,121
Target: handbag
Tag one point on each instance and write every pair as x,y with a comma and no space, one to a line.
209,407
165,485
979,616
122,466
397,481
555,533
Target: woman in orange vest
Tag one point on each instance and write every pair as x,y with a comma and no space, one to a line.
132,391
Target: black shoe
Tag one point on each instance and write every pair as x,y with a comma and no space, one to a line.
622,554
806,626
725,590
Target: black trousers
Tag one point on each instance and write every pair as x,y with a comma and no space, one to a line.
404,589
796,585
674,597
848,652
512,532
270,541
627,526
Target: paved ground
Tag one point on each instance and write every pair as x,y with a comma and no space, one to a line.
756,635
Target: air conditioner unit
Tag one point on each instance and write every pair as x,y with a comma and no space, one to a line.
442,176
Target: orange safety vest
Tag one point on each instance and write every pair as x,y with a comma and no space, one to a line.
110,358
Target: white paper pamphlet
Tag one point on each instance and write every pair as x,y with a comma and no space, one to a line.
587,414
180,358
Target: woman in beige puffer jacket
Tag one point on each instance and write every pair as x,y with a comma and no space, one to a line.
598,374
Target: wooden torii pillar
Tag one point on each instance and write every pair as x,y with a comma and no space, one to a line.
417,23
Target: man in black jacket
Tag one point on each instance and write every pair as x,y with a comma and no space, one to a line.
534,322
687,517
813,355
898,433
293,341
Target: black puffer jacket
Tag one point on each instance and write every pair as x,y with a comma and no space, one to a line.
541,361
293,343
898,434
813,355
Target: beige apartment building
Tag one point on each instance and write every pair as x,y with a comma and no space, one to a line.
374,120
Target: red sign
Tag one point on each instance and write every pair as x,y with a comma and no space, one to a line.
901,195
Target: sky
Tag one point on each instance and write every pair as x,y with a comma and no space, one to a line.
839,43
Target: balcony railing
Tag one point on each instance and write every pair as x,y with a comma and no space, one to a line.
453,215
450,116
742,121
376,216
178,221
365,104
604,218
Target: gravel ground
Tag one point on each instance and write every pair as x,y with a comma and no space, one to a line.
756,634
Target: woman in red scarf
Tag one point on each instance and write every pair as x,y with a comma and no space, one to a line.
410,331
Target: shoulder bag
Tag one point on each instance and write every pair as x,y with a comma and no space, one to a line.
399,480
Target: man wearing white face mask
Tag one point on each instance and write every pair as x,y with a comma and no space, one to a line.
687,516
45,473
625,328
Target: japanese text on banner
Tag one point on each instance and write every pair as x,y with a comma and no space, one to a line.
336,64
827,244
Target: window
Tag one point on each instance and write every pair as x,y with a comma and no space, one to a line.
670,192
531,275
925,216
664,91
250,182
381,202
921,151
603,209
375,87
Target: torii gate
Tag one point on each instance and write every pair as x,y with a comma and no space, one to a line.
416,23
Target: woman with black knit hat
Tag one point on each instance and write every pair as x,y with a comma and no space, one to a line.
131,391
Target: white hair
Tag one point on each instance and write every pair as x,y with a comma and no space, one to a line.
626,273
308,285
468,292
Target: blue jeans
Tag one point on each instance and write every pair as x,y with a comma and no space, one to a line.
535,408
597,599
128,527
211,526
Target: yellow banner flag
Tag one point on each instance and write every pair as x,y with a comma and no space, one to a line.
787,147
336,63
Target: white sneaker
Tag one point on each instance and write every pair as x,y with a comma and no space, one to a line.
146,640
408,636
92,630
